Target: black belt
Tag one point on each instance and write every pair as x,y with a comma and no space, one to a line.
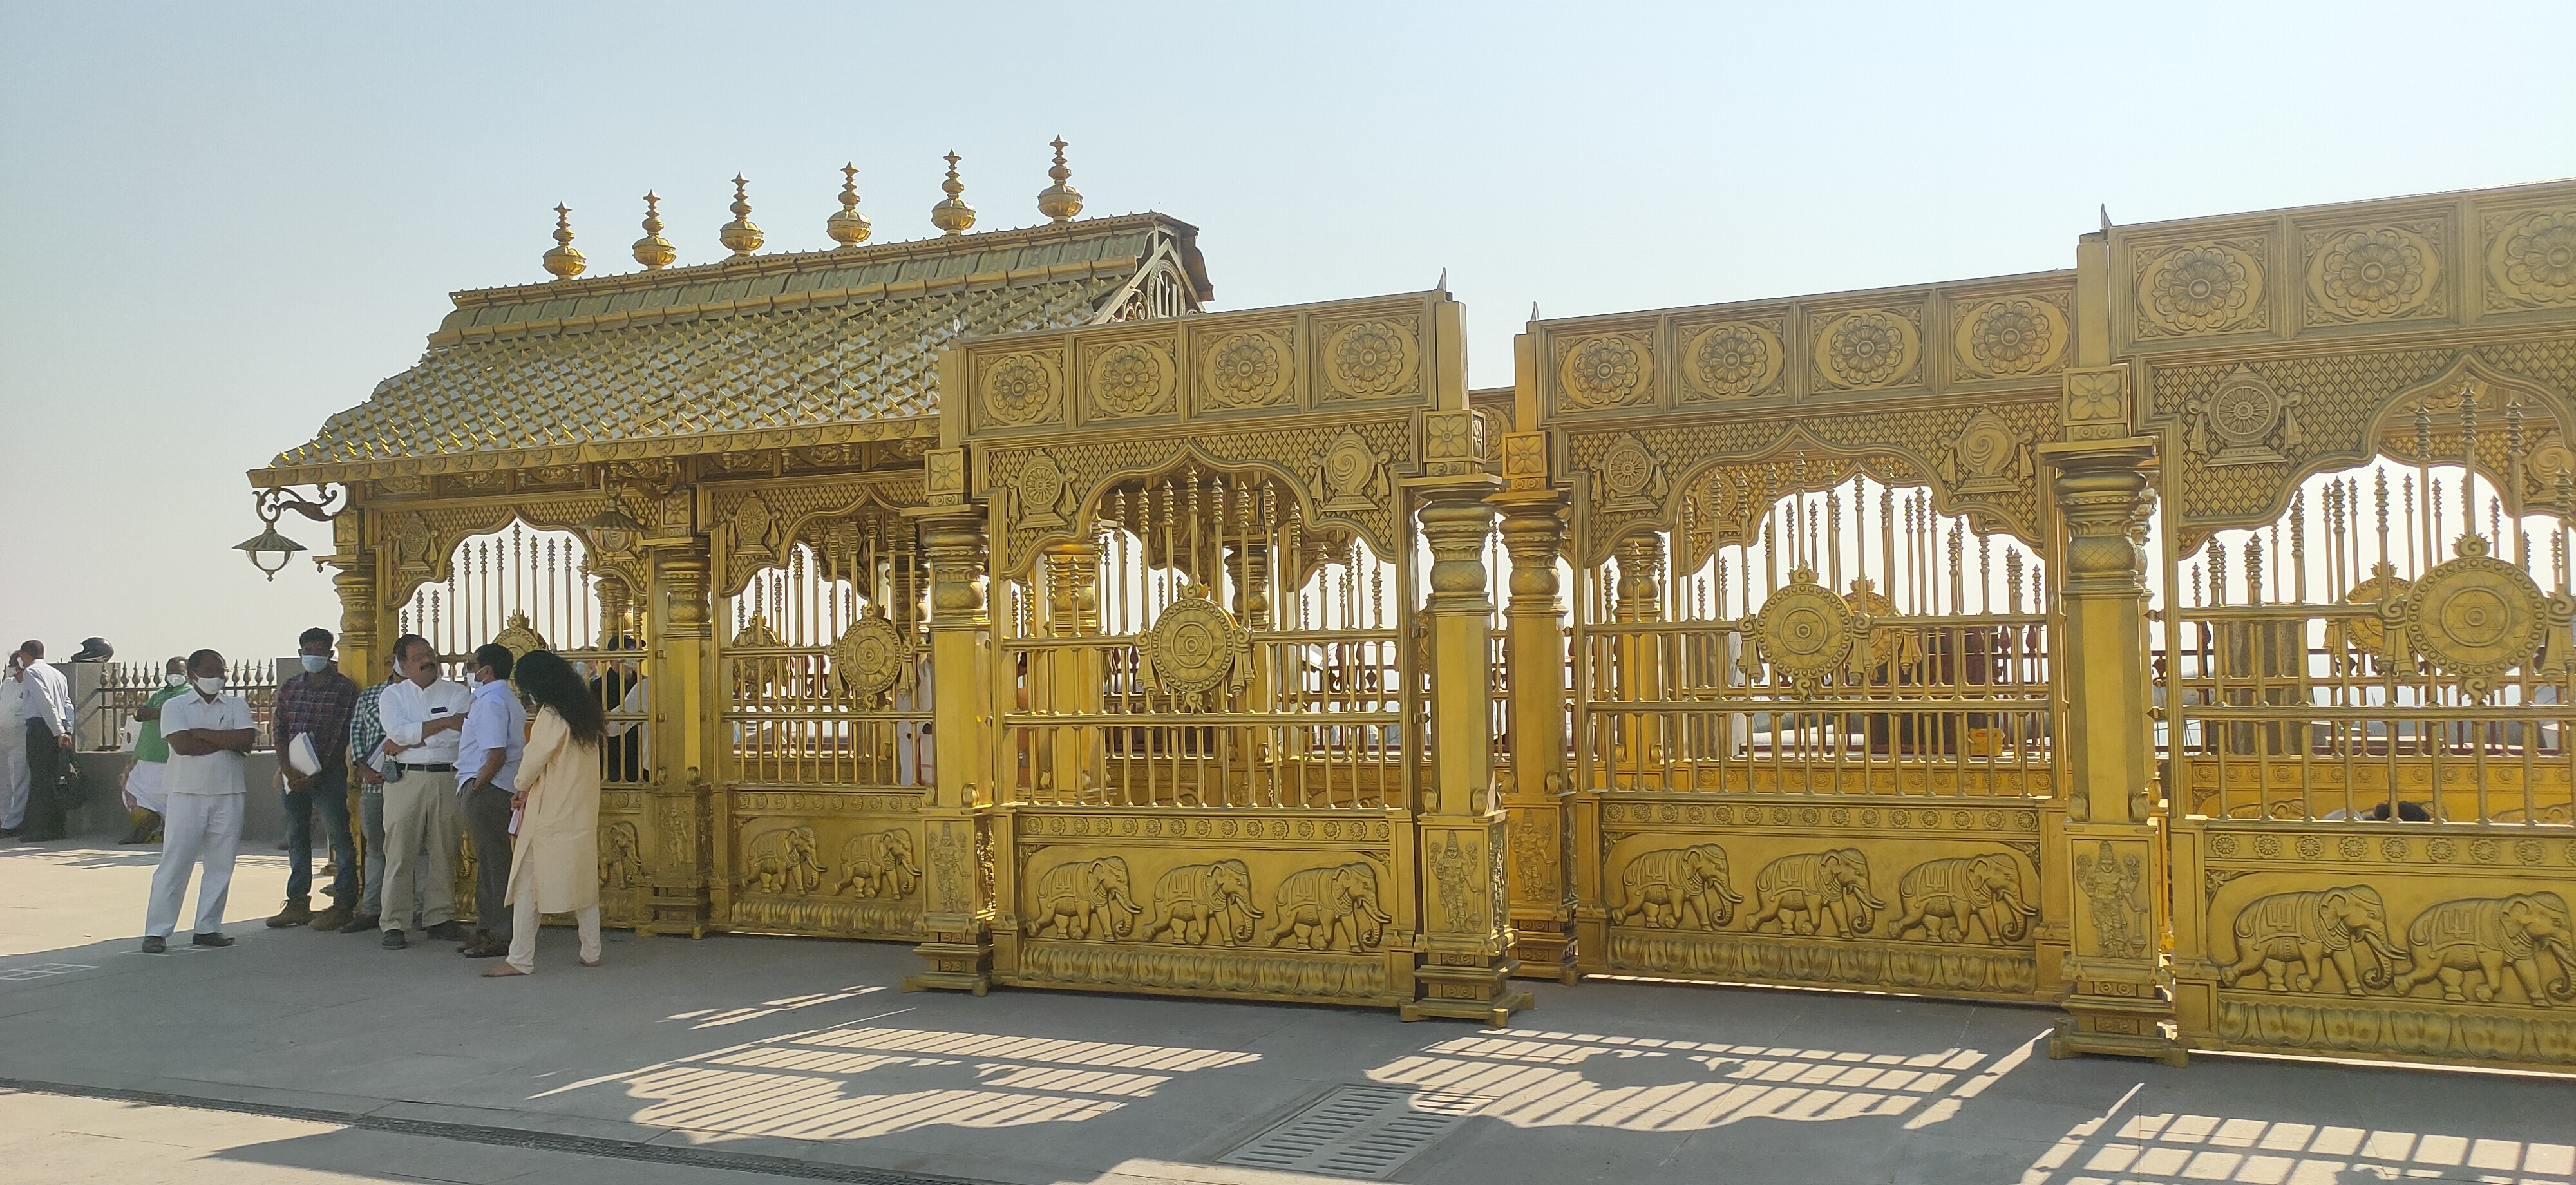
431,769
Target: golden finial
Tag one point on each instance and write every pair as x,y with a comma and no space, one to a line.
1059,201
563,261
849,228
654,251
952,215
741,235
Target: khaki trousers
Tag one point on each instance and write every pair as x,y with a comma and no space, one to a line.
421,812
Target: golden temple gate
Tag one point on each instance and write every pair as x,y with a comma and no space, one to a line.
2183,638
1814,677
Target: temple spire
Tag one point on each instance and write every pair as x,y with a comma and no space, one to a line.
563,261
1059,202
849,228
952,215
742,235
654,251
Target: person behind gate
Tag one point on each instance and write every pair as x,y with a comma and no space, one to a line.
208,733
487,754
423,716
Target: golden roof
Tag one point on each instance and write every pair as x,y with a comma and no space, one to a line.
766,350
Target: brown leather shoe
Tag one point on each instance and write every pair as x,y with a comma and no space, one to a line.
332,918
298,912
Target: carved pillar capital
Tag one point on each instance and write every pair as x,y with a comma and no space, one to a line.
1072,572
2102,491
1641,579
954,539
681,572
1533,530
1456,524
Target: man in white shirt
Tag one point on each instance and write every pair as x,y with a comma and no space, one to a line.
487,756
48,704
423,716
208,733
13,750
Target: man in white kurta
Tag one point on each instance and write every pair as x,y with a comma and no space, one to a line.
209,733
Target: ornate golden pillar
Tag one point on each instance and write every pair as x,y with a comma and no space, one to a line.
1536,796
615,602
956,816
2113,842
683,735
1070,680
1467,932
362,640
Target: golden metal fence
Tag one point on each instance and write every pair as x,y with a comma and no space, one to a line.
2394,668
1738,675
1207,649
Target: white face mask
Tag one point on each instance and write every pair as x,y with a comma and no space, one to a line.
313,663
210,685
173,679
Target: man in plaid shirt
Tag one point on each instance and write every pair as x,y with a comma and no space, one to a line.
366,745
317,705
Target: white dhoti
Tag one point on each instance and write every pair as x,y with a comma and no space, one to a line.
13,793
143,788
196,829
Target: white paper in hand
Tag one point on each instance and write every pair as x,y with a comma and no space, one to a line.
300,754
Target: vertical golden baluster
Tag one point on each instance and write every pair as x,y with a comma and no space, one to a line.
1833,565
1986,575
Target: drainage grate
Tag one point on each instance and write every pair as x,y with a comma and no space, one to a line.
1358,1131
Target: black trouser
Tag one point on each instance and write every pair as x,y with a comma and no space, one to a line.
44,782
487,823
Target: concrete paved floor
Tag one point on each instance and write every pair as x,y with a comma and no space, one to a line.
805,1050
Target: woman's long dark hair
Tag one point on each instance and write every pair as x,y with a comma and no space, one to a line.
543,676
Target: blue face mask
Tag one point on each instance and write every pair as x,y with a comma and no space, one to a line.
313,663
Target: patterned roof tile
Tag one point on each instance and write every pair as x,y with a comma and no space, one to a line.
702,350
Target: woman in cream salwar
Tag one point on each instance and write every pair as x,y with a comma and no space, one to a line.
554,861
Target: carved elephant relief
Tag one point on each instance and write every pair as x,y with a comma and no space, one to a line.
1949,899
1809,891
2291,937
1331,908
1196,904
1085,899
782,860
1677,887
2469,944
878,864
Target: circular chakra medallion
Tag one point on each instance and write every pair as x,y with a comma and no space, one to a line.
1806,631
2392,849
2476,617
1196,645
2352,847
869,657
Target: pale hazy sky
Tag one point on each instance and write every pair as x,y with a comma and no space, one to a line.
220,223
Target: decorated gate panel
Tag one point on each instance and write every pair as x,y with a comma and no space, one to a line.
822,721
1219,761
2365,660
528,587
1815,692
